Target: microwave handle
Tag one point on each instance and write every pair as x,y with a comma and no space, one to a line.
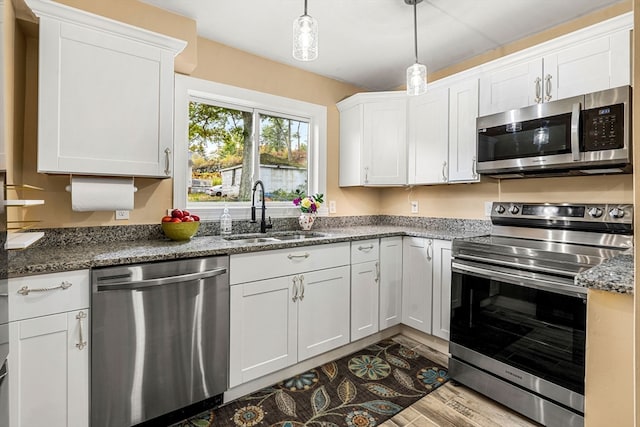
575,129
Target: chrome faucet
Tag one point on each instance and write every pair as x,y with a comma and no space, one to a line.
263,222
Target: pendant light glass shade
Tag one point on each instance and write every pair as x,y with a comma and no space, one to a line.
416,79
305,37
417,73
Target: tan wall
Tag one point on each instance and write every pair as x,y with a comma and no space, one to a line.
609,386
223,64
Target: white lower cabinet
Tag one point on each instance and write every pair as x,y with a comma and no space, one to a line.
426,285
417,283
390,281
276,322
365,278
49,356
441,288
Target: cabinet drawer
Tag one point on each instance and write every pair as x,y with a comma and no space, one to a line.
364,251
283,262
34,296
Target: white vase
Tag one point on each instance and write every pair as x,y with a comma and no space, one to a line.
306,220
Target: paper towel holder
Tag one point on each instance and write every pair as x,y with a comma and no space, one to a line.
68,187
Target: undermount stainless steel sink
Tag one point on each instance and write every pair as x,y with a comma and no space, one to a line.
252,238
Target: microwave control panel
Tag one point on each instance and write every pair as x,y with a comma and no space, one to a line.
603,128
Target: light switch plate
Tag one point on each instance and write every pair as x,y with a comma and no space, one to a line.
414,206
487,208
332,206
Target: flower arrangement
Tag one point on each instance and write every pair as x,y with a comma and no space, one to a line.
309,204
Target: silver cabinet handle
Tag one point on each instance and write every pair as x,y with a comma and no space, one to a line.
474,166
538,98
429,250
81,343
293,256
377,279
301,287
365,248
547,85
366,174
444,173
167,163
295,288
25,289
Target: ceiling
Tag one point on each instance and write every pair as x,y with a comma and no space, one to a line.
369,43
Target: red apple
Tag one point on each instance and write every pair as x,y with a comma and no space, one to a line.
186,212
176,220
166,218
195,217
177,213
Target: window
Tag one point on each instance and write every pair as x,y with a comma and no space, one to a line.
226,138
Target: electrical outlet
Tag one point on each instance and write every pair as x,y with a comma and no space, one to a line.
332,206
122,214
487,208
414,206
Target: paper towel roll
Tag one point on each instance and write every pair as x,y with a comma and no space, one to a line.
101,194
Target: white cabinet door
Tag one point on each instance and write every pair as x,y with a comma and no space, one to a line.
512,87
263,327
105,96
385,142
323,311
441,288
417,283
463,112
49,381
373,139
390,281
591,66
429,137
364,299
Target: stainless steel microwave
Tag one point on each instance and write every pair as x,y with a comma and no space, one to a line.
587,134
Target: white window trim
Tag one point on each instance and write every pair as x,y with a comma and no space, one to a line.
188,87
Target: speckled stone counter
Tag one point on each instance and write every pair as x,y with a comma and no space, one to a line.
613,275
64,253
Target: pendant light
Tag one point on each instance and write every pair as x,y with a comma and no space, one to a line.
305,37
416,73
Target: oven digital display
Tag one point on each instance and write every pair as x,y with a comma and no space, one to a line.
554,211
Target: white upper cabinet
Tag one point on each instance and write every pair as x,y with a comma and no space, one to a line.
428,157
589,60
373,139
463,112
105,99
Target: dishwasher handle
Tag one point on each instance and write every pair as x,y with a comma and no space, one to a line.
141,284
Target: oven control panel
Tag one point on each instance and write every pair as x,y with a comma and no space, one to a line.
564,212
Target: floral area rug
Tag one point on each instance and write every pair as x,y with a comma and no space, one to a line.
363,389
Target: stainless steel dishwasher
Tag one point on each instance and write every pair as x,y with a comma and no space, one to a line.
160,338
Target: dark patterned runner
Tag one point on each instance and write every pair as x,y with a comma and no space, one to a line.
363,389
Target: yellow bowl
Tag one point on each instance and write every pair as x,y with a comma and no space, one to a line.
180,230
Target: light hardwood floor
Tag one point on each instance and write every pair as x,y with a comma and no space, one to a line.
453,405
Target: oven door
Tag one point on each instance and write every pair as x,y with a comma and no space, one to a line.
526,328
531,138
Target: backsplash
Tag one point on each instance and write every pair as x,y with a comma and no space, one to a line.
56,237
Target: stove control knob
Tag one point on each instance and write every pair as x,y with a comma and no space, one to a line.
595,212
616,213
499,209
514,210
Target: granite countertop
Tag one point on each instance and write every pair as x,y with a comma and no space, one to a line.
613,275
77,257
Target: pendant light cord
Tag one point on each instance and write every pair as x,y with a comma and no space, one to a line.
305,8
415,27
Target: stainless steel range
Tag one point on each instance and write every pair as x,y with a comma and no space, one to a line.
517,318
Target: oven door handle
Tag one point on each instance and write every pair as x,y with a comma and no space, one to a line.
519,279
575,129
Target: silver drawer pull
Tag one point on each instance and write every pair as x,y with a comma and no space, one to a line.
365,248
25,289
293,256
295,288
82,343
301,287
